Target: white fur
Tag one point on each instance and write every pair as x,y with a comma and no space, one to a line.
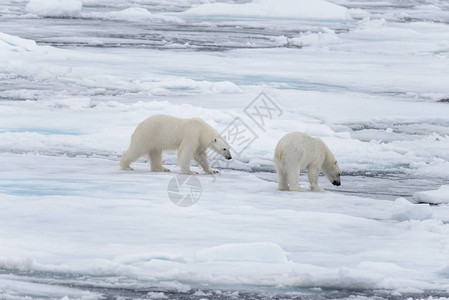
297,151
191,137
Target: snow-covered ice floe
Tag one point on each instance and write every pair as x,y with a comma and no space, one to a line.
405,210
55,8
360,76
81,215
132,14
301,9
440,196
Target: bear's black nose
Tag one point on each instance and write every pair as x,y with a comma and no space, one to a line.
229,157
337,183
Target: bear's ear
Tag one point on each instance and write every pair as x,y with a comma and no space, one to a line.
335,162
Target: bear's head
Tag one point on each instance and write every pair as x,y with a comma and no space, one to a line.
332,172
220,146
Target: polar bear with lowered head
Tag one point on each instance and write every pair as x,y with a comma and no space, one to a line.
297,151
191,137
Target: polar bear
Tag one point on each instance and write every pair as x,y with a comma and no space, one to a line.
297,151
191,137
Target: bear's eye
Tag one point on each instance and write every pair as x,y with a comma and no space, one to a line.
224,149
339,174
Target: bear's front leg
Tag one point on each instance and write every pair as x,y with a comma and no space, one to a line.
185,155
312,173
201,159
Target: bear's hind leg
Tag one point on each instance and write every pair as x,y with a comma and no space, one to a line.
155,157
293,181
130,156
282,179
312,173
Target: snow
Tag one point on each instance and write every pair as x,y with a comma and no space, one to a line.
132,14
315,39
55,8
301,9
10,288
263,252
404,210
74,87
271,238
15,43
440,196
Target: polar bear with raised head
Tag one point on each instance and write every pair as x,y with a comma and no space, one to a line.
191,137
297,151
